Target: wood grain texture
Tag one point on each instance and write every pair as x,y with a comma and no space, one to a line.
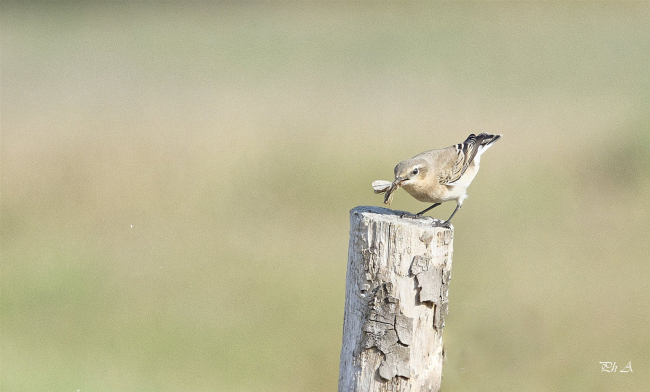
395,302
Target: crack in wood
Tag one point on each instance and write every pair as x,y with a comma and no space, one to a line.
390,331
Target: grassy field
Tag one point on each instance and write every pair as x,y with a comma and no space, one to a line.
176,181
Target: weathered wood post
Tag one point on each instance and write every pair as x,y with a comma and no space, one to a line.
395,302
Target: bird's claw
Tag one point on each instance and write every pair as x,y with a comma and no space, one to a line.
409,215
445,224
439,223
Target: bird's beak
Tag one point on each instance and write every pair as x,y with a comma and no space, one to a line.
399,181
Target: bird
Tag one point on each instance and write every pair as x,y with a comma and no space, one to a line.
440,175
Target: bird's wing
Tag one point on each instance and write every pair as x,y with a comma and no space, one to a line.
381,186
459,157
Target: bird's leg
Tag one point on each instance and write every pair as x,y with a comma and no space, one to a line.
422,212
419,214
446,223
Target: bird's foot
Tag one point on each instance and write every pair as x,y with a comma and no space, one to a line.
436,222
446,224
410,216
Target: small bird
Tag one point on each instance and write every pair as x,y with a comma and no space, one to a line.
441,175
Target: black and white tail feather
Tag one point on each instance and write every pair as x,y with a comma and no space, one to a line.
470,151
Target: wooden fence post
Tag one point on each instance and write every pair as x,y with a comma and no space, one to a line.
395,302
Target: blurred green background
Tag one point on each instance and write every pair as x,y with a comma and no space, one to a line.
176,182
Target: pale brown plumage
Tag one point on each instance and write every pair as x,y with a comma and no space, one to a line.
441,175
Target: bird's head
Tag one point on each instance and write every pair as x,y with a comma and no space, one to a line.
410,171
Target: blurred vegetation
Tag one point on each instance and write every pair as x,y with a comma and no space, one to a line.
176,181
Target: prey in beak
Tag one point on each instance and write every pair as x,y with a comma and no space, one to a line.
381,186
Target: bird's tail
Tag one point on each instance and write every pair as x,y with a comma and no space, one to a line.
484,141
474,146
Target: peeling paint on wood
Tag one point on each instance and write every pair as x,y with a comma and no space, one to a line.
396,302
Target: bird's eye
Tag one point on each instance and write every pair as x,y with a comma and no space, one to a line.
415,171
